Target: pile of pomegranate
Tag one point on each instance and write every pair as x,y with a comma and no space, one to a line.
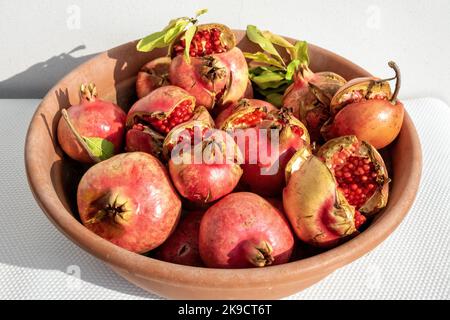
229,159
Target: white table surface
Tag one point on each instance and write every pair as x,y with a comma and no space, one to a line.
38,262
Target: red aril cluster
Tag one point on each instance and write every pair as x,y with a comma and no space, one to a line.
182,113
205,42
357,179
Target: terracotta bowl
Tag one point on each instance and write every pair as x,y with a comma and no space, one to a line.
53,179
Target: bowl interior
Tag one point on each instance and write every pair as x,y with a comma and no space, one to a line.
54,178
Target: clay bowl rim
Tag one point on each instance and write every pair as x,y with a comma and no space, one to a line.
150,268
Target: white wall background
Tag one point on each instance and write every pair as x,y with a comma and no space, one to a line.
37,37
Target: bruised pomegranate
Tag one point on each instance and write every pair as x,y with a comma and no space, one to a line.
366,108
309,97
244,230
216,72
203,162
152,75
182,245
360,172
152,117
267,139
129,201
315,206
93,130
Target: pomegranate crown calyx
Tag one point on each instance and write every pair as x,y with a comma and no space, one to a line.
88,92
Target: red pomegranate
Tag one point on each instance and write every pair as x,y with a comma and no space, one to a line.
93,130
216,72
129,201
182,245
244,230
152,117
202,168
267,139
152,75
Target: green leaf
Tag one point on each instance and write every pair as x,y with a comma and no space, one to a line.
188,36
256,36
261,57
260,69
301,49
151,42
275,98
291,68
280,41
200,12
269,79
100,148
175,30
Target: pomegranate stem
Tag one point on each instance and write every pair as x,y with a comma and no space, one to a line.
79,138
394,66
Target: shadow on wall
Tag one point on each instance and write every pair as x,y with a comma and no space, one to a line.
35,81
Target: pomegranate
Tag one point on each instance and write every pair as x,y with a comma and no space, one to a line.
152,75
208,168
309,97
129,201
265,155
244,230
366,108
153,116
93,130
360,172
182,245
216,72
316,208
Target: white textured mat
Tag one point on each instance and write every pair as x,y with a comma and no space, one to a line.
37,262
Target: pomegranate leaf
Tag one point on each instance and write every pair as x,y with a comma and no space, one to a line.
165,37
100,148
255,35
275,98
291,68
175,30
261,57
151,42
188,36
268,79
280,41
200,12
301,52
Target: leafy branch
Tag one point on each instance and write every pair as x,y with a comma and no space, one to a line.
272,75
165,37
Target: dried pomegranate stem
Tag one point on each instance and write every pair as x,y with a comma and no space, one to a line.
398,77
79,138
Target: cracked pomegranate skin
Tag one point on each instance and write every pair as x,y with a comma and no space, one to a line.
92,119
141,181
237,218
191,77
317,211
